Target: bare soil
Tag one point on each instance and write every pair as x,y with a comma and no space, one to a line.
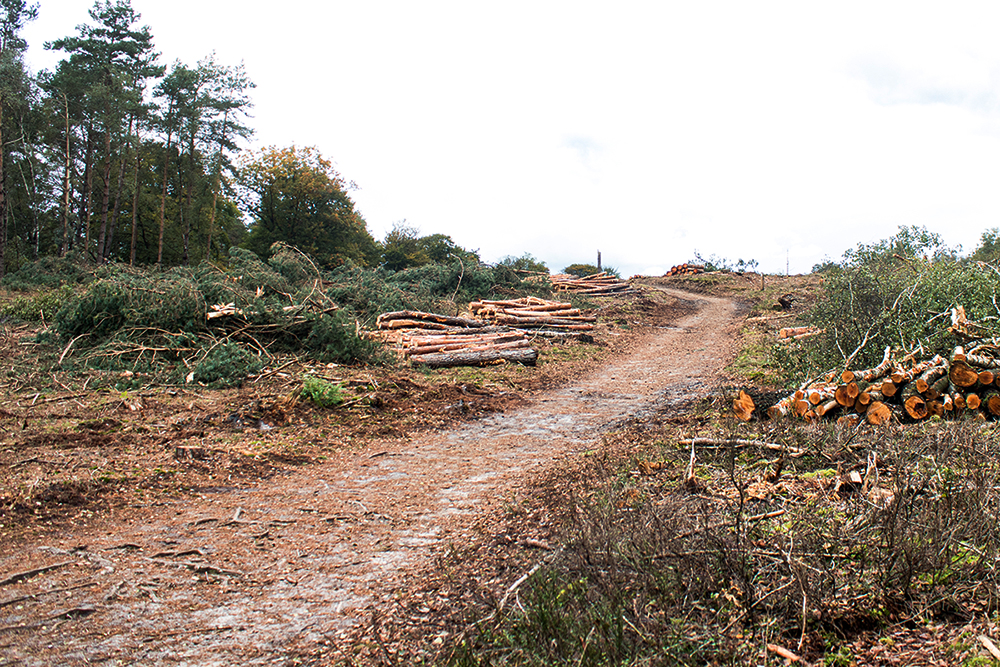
183,526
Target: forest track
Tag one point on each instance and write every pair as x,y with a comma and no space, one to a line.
240,575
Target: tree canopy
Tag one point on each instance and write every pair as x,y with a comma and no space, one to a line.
297,197
405,248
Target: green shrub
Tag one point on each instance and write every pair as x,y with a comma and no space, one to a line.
581,270
322,392
899,302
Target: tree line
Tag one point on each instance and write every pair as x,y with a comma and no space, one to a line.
113,156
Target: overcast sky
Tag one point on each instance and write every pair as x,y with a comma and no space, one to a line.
783,132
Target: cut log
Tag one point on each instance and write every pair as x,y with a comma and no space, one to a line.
425,317
789,332
941,386
469,347
846,393
527,357
817,395
972,401
889,389
929,377
743,406
983,361
870,374
991,401
413,324
781,408
915,407
935,408
963,375
878,413
827,408
986,378
900,376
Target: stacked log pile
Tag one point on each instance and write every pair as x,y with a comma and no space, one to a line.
966,382
597,284
442,341
533,313
685,270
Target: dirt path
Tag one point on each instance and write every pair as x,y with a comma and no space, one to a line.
241,574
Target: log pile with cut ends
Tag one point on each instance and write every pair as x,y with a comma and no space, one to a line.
965,382
442,341
685,270
533,313
597,284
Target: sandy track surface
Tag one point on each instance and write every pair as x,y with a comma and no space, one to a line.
243,575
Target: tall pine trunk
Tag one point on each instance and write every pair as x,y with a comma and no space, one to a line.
163,199
3,198
105,198
135,210
83,229
64,247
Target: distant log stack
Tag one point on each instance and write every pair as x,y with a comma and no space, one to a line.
686,270
964,382
533,313
597,284
442,341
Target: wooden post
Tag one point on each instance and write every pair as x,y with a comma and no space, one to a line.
598,261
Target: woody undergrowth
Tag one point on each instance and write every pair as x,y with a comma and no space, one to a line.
662,567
